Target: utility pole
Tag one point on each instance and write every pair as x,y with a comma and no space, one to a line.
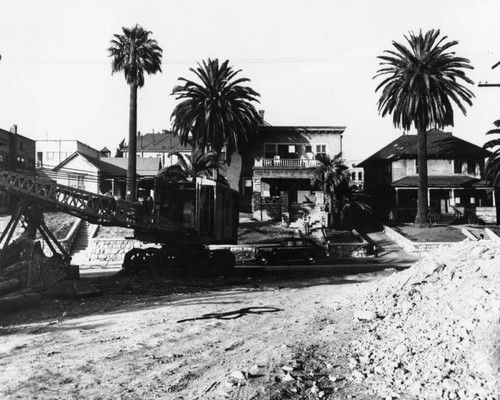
487,84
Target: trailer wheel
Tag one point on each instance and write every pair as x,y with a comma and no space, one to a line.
134,260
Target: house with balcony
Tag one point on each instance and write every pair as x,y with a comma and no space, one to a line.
455,184
276,170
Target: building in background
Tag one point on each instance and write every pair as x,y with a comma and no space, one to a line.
159,145
455,179
50,153
275,170
356,175
104,175
17,153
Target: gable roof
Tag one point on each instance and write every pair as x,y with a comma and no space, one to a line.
159,142
440,145
117,166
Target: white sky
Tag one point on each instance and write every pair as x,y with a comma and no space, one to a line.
311,61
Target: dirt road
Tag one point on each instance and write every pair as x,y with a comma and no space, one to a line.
212,341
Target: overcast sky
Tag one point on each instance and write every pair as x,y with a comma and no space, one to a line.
311,61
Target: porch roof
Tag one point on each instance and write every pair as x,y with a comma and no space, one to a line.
443,181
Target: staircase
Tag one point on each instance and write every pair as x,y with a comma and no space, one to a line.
79,249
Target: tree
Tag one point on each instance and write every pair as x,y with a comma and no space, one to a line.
419,85
328,176
134,53
119,149
199,164
216,113
492,169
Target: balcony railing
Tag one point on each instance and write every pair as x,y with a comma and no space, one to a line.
284,163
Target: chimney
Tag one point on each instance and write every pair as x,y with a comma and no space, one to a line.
261,116
13,129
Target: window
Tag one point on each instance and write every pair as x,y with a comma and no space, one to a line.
39,159
321,149
471,167
247,186
269,150
353,176
360,176
308,148
2,160
458,166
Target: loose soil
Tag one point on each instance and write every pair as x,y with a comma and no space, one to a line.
429,332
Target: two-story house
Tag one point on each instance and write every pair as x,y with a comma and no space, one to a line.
276,170
455,170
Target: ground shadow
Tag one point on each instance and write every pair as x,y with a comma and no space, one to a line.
234,314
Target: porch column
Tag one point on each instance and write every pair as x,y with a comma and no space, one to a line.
428,197
397,197
452,201
493,197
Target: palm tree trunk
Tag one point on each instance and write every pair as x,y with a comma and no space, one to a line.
131,188
422,218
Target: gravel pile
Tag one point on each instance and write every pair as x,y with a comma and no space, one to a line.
433,331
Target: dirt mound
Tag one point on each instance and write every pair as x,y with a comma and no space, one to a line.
433,331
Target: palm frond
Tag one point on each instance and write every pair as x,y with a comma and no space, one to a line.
218,112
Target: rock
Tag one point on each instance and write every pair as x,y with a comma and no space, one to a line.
357,375
365,315
406,306
254,370
400,350
238,375
288,378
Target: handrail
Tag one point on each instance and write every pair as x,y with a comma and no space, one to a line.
92,207
285,163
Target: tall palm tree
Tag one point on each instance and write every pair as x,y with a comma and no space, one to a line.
419,85
328,176
492,169
134,53
216,113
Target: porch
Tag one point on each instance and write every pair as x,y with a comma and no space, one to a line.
447,205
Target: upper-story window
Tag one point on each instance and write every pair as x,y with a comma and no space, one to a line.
353,176
269,150
321,149
360,176
458,166
471,167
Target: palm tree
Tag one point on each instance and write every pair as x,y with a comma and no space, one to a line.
492,169
217,112
328,176
199,164
134,53
420,84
